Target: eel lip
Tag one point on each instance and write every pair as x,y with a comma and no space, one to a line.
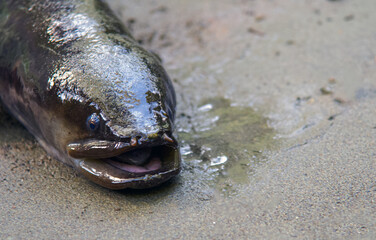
97,148
98,161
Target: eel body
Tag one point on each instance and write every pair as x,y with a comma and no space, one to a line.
73,75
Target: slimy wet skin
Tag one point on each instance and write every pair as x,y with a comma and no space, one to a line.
94,98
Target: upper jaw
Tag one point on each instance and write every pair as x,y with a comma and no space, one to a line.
94,148
96,160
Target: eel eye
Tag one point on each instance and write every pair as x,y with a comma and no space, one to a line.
92,122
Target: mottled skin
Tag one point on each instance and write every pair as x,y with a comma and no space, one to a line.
62,61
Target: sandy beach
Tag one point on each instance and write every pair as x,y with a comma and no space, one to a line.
276,120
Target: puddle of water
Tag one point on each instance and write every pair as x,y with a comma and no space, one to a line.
225,142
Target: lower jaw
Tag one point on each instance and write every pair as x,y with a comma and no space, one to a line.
114,175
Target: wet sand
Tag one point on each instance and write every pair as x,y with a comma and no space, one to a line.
276,119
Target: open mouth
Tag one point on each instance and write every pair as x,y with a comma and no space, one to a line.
119,165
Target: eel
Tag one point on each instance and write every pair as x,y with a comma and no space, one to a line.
74,76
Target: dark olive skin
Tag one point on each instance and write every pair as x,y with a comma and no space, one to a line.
79,82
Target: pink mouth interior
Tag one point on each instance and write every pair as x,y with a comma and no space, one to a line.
153,165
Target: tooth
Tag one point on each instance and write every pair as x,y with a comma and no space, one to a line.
134,142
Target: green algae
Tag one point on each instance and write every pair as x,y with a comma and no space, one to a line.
225,141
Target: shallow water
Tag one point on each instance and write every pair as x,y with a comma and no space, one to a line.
275,117
224,142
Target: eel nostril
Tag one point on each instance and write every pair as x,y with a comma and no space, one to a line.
167,138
